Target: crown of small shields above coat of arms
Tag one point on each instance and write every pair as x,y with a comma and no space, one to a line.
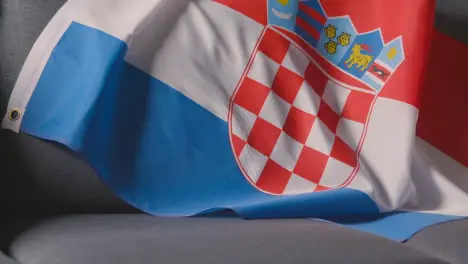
363,55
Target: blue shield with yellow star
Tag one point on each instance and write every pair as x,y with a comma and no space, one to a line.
391,56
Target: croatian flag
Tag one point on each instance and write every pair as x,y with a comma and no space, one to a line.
271,109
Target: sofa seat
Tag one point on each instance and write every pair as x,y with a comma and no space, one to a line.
141,239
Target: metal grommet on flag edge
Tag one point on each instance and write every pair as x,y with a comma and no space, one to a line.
14,114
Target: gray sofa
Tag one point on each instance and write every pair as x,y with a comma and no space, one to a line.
54,209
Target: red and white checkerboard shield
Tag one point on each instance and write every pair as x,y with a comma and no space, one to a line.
293,128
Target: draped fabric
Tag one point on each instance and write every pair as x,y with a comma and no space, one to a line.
271,109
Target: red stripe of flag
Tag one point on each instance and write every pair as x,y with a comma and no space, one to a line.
312,13
308,28
443,119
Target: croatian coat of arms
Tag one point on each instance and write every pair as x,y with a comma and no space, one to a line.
299,115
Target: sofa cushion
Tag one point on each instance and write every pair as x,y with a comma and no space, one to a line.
448,241
6,260
143,239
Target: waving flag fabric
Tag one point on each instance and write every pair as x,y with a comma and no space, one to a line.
269,108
